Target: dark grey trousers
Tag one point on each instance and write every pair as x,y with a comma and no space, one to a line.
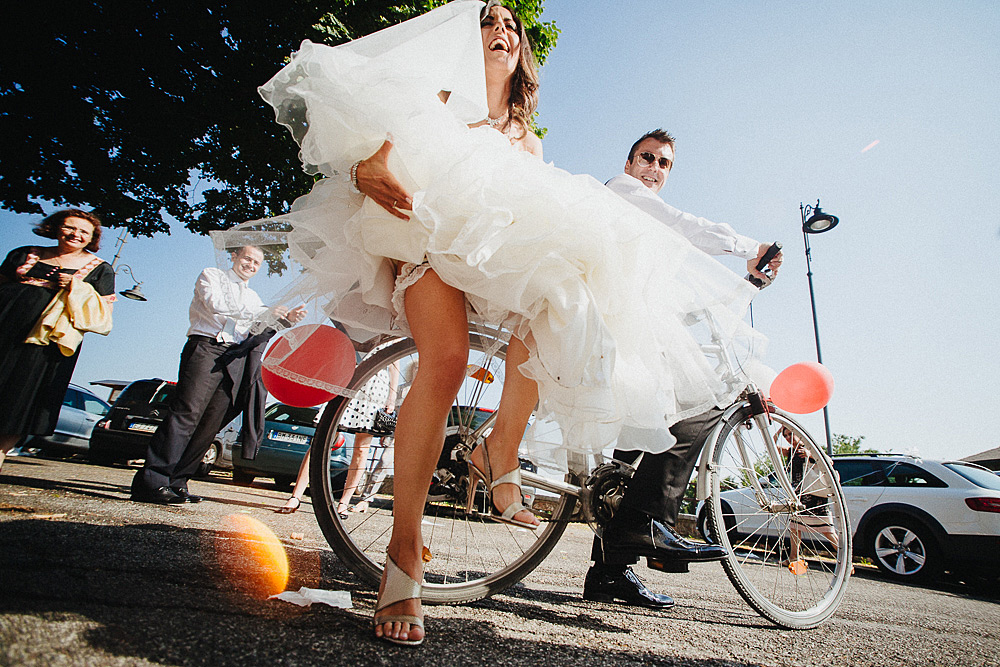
657,487
204,401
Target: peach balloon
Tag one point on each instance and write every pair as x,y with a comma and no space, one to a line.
802,388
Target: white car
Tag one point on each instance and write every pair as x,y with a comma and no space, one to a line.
913,517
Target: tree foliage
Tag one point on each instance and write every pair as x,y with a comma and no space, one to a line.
143,108
846,444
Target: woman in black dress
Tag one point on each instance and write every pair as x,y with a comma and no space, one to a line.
34,377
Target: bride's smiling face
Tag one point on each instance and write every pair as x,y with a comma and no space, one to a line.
501,42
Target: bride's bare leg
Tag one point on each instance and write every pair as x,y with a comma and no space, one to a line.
517,401
438,323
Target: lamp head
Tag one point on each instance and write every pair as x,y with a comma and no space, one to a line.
135,293
818,222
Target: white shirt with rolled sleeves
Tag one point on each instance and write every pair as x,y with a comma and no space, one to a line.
714,238
223,306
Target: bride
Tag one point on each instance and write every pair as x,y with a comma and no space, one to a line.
455,216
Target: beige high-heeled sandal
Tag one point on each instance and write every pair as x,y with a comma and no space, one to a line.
507,516
399,586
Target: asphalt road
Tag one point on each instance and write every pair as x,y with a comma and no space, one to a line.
88,577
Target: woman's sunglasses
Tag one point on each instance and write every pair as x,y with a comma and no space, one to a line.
649,158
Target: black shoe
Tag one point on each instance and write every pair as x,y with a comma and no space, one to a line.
187,497
622,587
163,495
624,540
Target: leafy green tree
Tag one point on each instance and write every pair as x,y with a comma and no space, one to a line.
140,108
846,444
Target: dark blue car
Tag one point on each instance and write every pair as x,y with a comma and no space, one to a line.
288,433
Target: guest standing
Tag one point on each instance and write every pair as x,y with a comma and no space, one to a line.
49,296
219,377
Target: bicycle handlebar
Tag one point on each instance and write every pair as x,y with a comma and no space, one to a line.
769,254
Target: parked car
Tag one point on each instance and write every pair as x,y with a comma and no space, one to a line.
913,517
288,434
123,435
81,410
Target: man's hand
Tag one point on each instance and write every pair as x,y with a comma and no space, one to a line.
773,264
293,316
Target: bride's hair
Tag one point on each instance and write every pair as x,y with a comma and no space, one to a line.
524,84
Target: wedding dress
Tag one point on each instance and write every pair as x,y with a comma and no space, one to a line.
610,297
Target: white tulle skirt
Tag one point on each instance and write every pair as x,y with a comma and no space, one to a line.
609,299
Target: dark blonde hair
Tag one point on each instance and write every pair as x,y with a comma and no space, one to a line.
49,226
523,98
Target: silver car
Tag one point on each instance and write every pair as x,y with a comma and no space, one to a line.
80,410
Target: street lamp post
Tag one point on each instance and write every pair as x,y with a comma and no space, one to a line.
134,292
817,222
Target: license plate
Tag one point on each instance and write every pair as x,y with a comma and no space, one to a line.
145,428
283,436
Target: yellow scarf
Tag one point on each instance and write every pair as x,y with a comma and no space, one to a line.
73,311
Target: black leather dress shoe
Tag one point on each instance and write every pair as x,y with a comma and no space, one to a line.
186,496
163,495
621,587
624,540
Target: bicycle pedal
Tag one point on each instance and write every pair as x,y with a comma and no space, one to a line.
670,566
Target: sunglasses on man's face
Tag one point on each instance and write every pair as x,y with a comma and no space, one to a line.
649,158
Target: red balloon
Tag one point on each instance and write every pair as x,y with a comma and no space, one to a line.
802,388
304,366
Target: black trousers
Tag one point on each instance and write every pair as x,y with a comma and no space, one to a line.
657,487
204,401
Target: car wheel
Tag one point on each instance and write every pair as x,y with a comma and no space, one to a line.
705,524
242,477
208,462
904,549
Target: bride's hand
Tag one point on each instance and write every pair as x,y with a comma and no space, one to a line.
377,182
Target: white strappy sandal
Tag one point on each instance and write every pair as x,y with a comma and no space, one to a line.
507,516
399,586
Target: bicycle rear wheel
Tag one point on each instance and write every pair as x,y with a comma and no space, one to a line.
788,556
473,555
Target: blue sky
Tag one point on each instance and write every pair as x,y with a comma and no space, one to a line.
773,104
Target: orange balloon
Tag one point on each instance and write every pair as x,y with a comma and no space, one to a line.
303,366
255,560
802,388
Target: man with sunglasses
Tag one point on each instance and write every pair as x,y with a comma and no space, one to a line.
643,523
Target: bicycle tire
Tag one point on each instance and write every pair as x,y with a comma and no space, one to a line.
795,593
476,557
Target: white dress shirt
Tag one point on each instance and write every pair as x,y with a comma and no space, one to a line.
223,306
714,238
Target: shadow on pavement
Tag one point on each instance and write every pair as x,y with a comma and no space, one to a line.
156,592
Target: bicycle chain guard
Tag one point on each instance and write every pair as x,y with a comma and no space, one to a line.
603,492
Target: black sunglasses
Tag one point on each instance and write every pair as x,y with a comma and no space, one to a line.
649,158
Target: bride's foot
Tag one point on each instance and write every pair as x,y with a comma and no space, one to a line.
504,495
398,613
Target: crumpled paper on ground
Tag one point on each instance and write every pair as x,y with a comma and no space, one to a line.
304,597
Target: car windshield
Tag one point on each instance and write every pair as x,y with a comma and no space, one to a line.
286,414
978,476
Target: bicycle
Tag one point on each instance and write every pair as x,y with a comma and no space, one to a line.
475,557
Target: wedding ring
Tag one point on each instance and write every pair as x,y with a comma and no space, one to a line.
394,202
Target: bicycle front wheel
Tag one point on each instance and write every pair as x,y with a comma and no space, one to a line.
473,556
788,555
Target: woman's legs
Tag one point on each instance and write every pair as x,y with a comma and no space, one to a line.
438,323
359,458
301,482
517,402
